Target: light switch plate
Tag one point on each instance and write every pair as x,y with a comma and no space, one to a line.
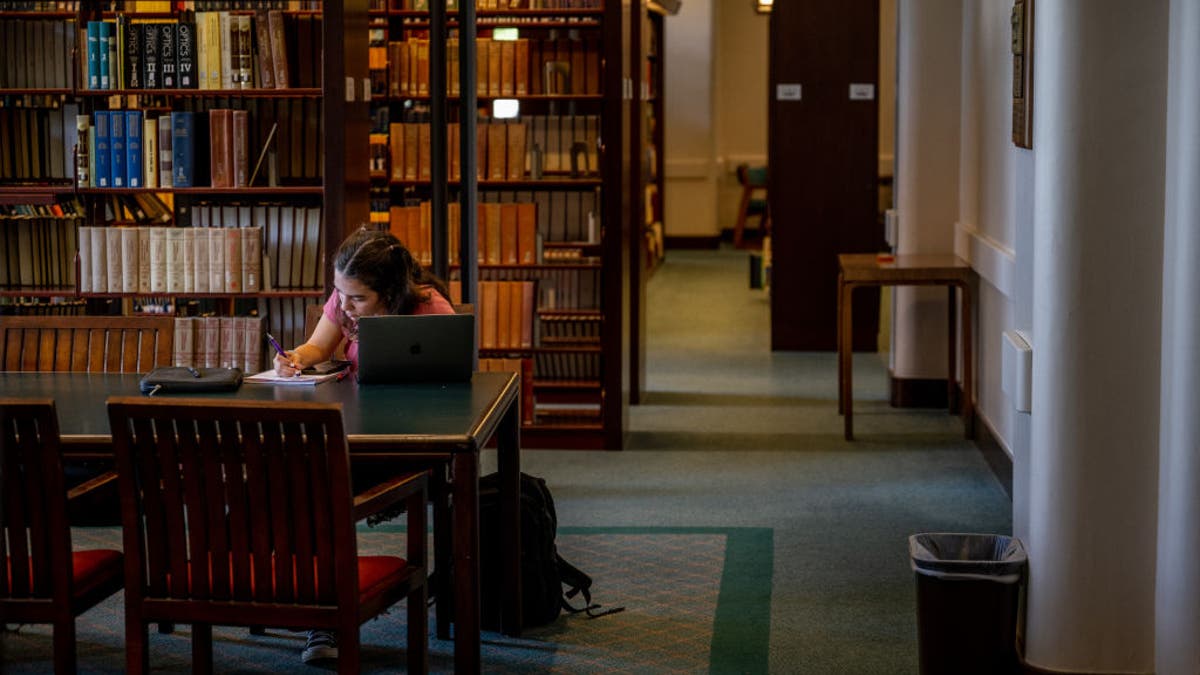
787,92
1016,369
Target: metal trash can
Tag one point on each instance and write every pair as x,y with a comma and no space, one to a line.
968,601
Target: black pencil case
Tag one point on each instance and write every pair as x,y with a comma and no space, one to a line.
182,380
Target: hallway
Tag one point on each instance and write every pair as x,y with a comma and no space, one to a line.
734,435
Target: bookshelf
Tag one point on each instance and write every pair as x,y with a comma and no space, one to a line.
551,250
246,197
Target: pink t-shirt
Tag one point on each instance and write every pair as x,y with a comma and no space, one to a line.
436,304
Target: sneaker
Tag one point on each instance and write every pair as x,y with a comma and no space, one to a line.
321,646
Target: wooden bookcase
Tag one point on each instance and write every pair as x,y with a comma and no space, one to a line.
305,176
565,71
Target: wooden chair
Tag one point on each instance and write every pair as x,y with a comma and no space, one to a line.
239,514
45,581
752,180
92,344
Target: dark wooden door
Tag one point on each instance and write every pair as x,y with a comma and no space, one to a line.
823,156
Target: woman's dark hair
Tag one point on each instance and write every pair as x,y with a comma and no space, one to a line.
379,261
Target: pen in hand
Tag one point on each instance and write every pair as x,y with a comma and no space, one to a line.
279,350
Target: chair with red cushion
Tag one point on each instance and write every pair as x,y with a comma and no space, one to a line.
43,581
240,514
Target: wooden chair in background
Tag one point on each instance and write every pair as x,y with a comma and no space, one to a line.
269,534
92,344
752,180
46,582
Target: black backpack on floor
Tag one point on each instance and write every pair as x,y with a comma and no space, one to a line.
543,572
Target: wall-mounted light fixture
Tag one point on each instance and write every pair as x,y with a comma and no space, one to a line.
763,6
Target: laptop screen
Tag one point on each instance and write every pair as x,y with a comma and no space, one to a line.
416,348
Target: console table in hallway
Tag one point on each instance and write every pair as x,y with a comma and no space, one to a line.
857,270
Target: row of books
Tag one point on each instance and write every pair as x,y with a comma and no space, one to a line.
524,368
557,289
203,50
293,246
10,306
505,314
452,5
64,206
566,365
38,251
170,260
220,342
568,330
37,144
520,67
127,148
536,147
562,216
36,54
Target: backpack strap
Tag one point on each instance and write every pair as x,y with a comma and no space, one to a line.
579,583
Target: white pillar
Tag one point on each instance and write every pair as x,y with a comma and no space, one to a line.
1177,646
1099,69
927,154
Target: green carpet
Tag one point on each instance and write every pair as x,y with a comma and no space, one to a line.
696,599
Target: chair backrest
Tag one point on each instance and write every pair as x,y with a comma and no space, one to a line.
93,344
230,503
752,176
35,536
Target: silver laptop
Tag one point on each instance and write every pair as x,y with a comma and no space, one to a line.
416,348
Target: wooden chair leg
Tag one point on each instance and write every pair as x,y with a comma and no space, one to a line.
740,226
442,545
64,646
202,655
348,650
137,645
418,631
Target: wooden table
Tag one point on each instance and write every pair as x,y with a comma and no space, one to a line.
857,270
434,424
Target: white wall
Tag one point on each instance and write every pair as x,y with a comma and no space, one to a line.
690,206
994,229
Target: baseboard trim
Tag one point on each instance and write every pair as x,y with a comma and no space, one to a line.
994,454
704,241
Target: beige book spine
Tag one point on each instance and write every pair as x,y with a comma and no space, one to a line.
143,235
233,259
100,260
158,260
230,351
129,259
176,259
200,260
252,259
208,339
216,260
185,341
112,246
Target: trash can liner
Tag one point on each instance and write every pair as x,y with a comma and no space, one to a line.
967,556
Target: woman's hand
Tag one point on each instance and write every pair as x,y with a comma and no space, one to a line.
288,366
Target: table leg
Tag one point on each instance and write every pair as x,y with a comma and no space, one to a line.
442,549
466,561
508,445
968,359
846,351
952,350
841,372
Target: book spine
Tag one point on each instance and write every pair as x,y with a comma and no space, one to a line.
244,54
116,144
266,66
150,151
150,49
168,55
220,136
143,276
129,259
185,54
278,49
103,154
165,154
200,261
228,35
131,66
183,131
252,259
106,47
83,174
240,149
93,55
133,148
112,246
185,341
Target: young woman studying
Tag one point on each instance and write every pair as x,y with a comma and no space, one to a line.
373,273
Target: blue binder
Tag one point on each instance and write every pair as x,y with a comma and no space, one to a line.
133,148
103,154
116,144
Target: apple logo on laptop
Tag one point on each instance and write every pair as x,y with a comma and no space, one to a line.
415,350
